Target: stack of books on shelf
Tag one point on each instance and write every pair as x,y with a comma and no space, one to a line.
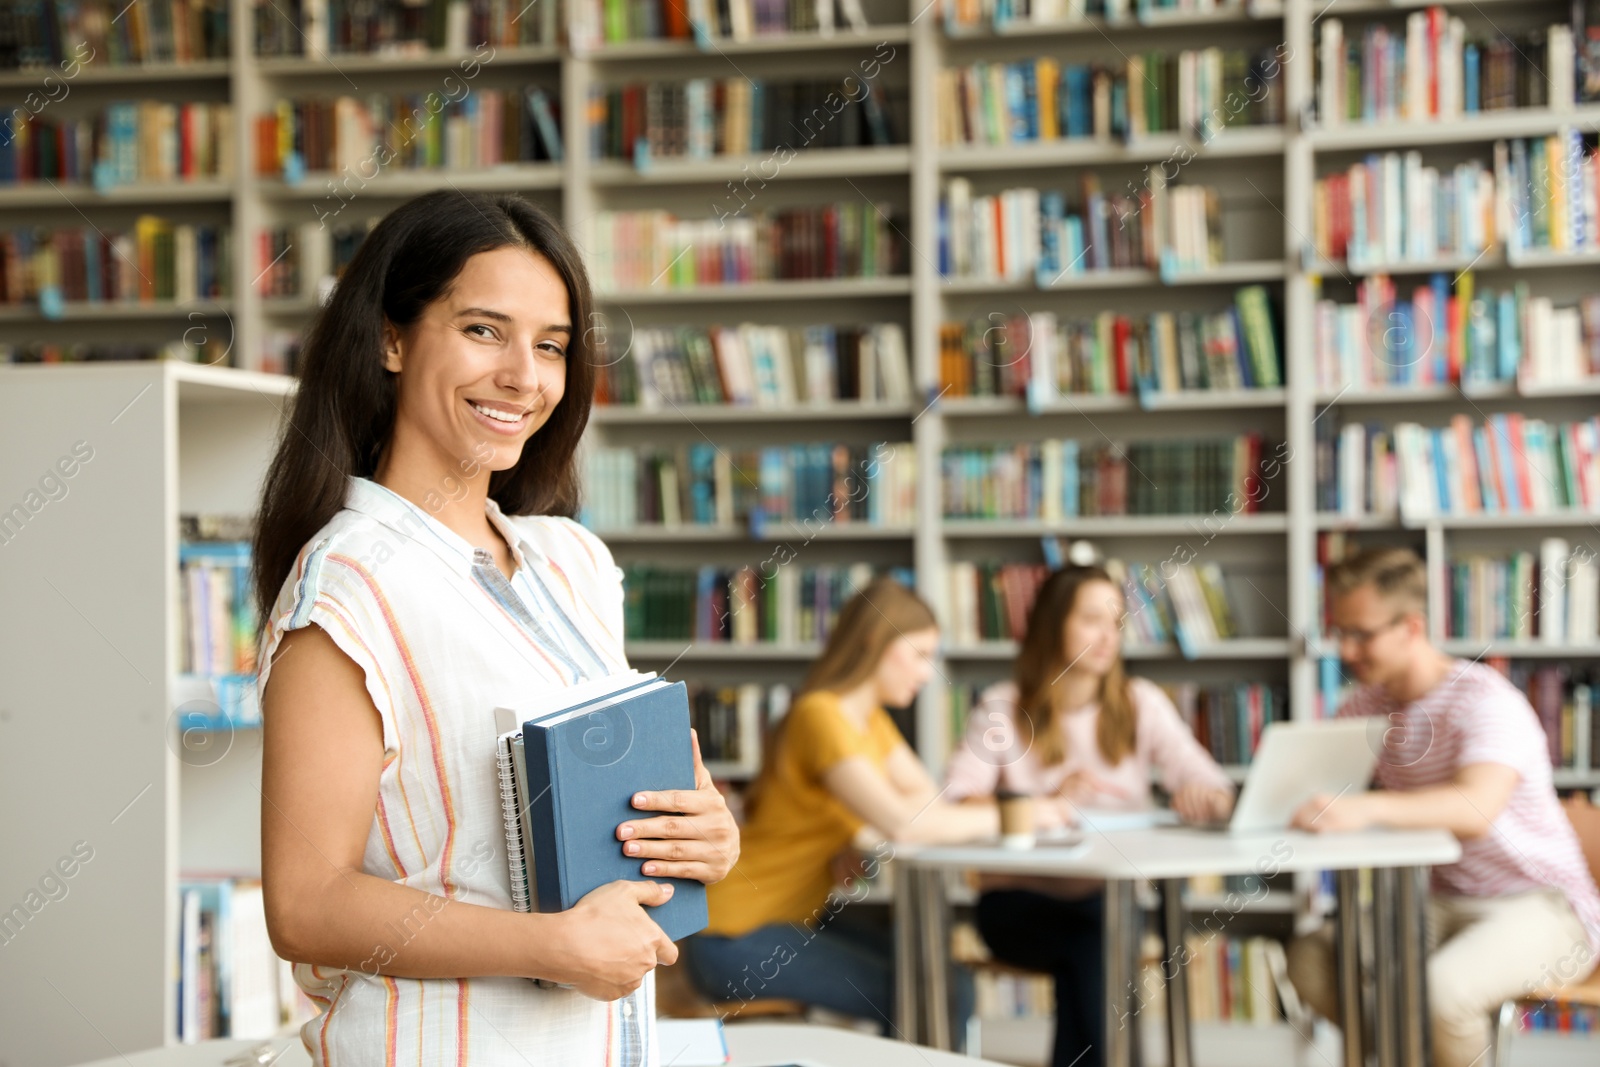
316,28
350,136
1558,1017
706,117
1563,699
592,22
1194,92
1065,478
1046,357
1451,331
230,982
777,367
800,487
1228,717
1028,234
765,604
1006,14
148,141
647,249
107,32
1552,192
1509,465
731,721
157,261
1231,979
1551,596
1391,209
219,628
1432,70
209,349
991,601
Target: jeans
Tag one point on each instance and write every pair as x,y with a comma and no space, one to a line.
1063,938
846,965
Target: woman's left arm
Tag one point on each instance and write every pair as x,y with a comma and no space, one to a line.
698,839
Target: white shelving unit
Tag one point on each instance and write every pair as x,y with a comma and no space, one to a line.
99,565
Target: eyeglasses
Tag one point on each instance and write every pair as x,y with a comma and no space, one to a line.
1338,634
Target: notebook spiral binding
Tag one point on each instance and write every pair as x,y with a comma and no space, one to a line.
520,900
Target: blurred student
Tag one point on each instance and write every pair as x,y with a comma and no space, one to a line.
1075,732
834,764
1464,752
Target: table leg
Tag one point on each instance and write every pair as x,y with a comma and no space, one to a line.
906,984
1348,956
934,910
1174,925
1413,949
1386,959
1122,921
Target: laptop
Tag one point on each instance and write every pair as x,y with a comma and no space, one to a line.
1297,760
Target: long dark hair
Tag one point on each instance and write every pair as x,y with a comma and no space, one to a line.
343,414
1042,659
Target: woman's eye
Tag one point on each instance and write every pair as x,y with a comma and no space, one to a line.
488,331
553,349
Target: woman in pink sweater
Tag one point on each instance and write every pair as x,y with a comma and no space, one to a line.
1075,732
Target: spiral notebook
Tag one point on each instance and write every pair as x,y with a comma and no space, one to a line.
567,779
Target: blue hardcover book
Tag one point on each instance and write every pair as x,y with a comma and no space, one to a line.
1443,473
1469,78
584,764
1077,89
1437,333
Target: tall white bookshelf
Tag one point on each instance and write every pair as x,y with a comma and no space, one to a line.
196,438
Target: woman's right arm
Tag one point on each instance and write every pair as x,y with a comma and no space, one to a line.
899,816
323,754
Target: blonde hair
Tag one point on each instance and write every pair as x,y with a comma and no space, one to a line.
1042,659
1397,574
872,620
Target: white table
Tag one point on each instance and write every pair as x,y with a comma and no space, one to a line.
1168,856
751,1045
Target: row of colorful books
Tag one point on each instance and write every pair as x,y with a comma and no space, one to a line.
230,982
619,21
973,14
156,261
1552,595
1432,70
1563,699
1228,718
362,136
1510,464
664,367
316,28
1392,208
706,117
211,349
643,249
1058,479
1045,357
1030,234
1196,91
765,604
149,141
49,33
1452,332
802,486
218,608
731,721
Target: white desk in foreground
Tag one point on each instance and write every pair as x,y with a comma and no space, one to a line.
1169,856
750,1045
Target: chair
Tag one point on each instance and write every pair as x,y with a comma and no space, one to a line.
1585,819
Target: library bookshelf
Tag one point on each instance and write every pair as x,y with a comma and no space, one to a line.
197,437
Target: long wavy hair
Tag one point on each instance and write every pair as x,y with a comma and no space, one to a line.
868,624
1042,660
342,416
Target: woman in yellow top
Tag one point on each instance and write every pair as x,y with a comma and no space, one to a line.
835,764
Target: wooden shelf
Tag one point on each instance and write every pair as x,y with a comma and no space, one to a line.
843,39
509,177
49,193
1152,20
1483,126
760,292
1471,648
1230,142
808,163
1091,403
844,410
1119,526
1496,521
117,310
654,651
1240,648
772,531
1242,273
335,64
127,73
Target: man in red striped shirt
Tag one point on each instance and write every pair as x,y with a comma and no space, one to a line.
1464,751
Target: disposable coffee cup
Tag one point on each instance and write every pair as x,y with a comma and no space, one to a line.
1016,820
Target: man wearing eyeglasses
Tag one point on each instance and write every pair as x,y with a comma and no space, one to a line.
1463,751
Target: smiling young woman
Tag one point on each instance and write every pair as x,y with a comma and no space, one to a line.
416,568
